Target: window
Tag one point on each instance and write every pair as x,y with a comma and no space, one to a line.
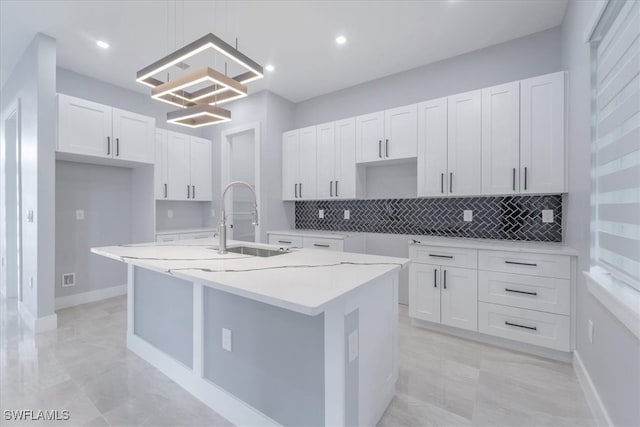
616,142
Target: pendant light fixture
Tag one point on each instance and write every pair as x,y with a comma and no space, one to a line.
200,106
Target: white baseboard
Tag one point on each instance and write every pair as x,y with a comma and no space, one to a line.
37,324
598,410
91,296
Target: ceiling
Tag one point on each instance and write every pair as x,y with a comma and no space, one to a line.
297,37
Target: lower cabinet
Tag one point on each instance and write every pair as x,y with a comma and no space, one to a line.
315,240
172,237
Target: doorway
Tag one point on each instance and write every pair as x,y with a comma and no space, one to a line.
241,162
11,186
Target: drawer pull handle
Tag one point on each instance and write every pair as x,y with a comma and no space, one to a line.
321,245
441,256
528,264
284,241
533,328
520,292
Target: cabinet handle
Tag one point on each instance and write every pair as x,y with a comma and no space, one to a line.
450,182
515,291
441,256
380,148
287,242
108,146
321,245
295,191
435,278
336,188
445,279
193,191
188,191
528,264
513,179
165,191
533,328
331,188
525,177
442,183
386,148
300,190
117,147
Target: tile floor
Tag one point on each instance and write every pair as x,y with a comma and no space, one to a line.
84,367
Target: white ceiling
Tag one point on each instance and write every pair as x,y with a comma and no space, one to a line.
297,37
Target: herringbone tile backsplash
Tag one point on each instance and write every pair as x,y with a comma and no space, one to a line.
505,218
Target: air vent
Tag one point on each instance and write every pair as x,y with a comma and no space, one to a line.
68,279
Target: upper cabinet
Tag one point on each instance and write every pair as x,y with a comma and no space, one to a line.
299,164
463,144
542,134
432,148
336,153
387,135
92,129
183,169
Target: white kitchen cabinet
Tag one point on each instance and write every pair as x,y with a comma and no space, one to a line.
336,167
299,164
424,292
92,129
387,135
464,144
200,169
178,166
542,134
501,139
160,178
432,148
459,298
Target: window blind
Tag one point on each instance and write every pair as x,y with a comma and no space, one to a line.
616,142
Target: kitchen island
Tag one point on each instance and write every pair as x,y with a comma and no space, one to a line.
301,337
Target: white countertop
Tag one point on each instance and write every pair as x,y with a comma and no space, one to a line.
187,230
302,280
338,235
497,245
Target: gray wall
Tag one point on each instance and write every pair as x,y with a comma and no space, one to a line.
185,214
104,193
33,82
514,60
613,360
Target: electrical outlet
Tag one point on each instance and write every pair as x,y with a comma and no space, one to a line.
213,213
169,213
30,215
68,279
468,215
353,346
547,216
31,282
590,330
79,214
321,213
347,214
226,339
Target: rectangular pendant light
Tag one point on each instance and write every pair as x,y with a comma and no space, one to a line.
199,115
221,85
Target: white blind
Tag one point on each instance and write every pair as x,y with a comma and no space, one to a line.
616,142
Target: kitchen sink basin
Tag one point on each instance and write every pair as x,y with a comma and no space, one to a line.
261,252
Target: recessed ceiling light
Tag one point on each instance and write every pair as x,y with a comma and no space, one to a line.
341,39
269,67
102,44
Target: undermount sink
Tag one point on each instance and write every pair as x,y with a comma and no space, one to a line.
261,252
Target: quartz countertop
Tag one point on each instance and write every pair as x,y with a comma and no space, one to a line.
301,280
338,235
187,230
497,245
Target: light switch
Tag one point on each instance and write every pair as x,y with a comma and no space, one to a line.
169,213
353,346
226,339
547,216
347,214
468,215
321,213
79,214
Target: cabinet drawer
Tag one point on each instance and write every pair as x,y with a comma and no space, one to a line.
285,240
525,263
528,326
452,257
316,243
536,293
200,235
167,237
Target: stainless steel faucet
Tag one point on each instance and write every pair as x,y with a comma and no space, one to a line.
222,240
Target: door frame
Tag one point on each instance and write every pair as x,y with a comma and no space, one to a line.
225,157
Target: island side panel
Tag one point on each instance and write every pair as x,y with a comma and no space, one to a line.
163,313
277,360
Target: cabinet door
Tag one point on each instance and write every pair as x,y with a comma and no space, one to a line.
308,163
542,142
463,147
200,169
369,137
400,132
326,155
84,127
432,148
133,136
424,292
290,164
459,297
178,166
160,178
345,159
501,139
